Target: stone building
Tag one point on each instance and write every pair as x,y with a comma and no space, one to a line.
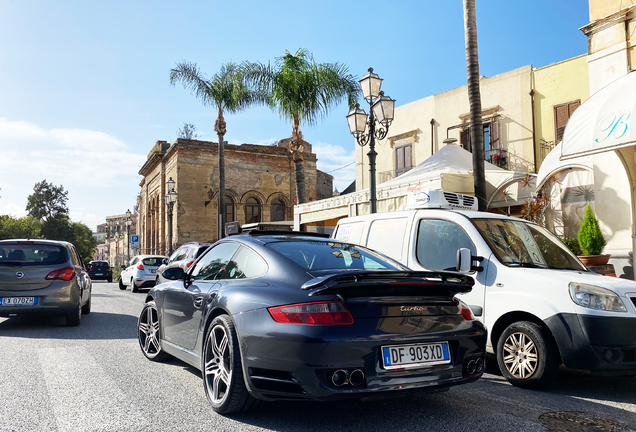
259,187
117,239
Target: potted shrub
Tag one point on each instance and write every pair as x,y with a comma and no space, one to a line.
591,241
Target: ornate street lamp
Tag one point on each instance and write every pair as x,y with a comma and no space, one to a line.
128,224
381,111
169,200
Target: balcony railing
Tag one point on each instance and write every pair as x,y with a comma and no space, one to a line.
497,157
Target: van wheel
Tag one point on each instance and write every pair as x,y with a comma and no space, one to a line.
527,355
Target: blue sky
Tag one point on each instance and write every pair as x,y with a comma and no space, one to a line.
84,90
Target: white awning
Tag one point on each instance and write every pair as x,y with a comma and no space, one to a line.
606,121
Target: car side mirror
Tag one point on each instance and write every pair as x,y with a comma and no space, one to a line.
165,261
174,273
123,266
465,261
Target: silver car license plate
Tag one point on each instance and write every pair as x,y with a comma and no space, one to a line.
18,301
416,355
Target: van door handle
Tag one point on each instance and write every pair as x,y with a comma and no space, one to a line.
198,302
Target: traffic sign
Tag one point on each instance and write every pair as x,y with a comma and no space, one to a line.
134,240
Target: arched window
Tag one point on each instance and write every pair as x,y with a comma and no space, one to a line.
278,212
252,211
229,209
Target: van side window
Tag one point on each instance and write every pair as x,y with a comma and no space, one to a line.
438,242
351,232
392,230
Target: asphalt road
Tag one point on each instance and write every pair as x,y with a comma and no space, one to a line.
95,378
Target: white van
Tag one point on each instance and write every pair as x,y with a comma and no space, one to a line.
542,307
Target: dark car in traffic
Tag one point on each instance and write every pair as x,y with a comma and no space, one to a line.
183,257
280,316
43,276
100,270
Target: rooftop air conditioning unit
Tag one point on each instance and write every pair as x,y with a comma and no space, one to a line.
440,199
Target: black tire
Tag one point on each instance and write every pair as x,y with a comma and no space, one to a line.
148,333
74,318
121,285
86,309
222,368
527,355
133,286
110,280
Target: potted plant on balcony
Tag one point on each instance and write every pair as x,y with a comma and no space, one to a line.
591,241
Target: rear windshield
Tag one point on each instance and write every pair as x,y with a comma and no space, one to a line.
100,264
154,261
327,255
32,254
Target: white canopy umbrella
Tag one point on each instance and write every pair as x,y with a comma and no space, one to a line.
606,121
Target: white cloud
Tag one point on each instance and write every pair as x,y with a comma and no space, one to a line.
98,170
337,161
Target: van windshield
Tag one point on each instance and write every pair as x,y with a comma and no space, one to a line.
521,244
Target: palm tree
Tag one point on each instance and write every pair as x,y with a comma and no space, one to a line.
302,91
474,97
226,92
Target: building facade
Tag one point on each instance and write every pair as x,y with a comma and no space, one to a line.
118,248
259,187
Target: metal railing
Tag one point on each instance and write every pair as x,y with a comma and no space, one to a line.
498,157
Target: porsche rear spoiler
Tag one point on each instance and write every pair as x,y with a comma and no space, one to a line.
371,283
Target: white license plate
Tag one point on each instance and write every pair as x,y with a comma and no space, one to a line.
18,301
417,355
99,274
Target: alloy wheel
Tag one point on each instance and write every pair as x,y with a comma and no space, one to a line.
520,355
218,365
149,331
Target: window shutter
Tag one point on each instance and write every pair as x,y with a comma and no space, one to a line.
561,115
408,157
494,135
399,160
464,139
572,106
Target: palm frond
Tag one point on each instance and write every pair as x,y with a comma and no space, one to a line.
189,76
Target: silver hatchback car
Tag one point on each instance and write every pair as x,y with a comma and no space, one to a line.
43,276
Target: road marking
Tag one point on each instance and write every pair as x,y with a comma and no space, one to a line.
83,395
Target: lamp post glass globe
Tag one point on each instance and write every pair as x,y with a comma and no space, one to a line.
170,185
383,109
128,214
357,120
370,85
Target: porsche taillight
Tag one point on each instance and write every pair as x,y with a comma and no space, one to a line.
464,310
66,273
323,313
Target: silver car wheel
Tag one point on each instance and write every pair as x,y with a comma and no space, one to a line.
218,365
149,331
520,355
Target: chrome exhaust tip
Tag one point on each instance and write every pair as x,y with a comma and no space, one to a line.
340,377
471,367
479,365
356,377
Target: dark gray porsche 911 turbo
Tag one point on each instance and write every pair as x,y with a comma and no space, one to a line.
279,316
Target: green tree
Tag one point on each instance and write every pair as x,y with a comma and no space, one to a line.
474,97
301,91
226,92
83,240
591,240
47,201
19,228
